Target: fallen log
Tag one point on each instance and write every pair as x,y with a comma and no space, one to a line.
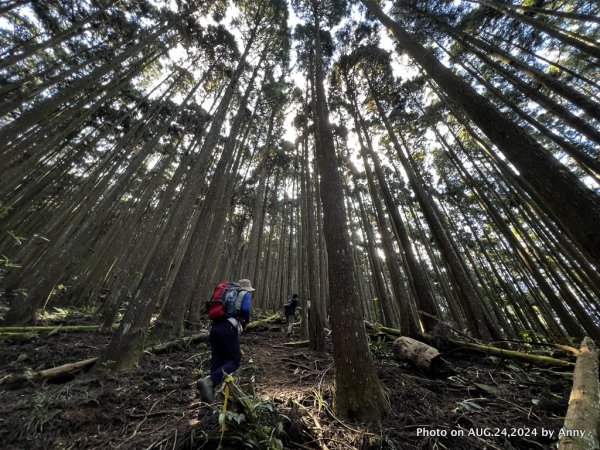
377,328
163,347
47,328
72,368
488,349
580,430
512,354
66,369
296,344
266,321
425,357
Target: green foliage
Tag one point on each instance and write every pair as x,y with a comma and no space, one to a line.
6,262
327,13
531,336
38,417
60,314
18,239
380,350
3,210
259,426
471,21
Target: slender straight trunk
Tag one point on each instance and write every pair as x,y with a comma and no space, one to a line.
560,193
316,332
377,269
549,12
486,48
587,162
23,195
141,254
47,107
266,266
199,254
126,347
408,319
71,211
560,67
13,97
510,294
48,271
516,184
282,292
581,43
323,259
259,205
421,290
358,392
487,299
55,40
409,323
31,156
533,92
557,304
37,151
214,233
455,265
514,188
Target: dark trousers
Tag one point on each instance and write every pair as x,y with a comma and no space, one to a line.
225,349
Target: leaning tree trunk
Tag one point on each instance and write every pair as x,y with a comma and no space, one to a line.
126,347
566,199
576,41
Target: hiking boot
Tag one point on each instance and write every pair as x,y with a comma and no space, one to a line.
206,389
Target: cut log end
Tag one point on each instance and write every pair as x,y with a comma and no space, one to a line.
425,357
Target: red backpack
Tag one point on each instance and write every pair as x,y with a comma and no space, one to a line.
225,301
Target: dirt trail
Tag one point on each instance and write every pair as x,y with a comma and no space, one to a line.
284,372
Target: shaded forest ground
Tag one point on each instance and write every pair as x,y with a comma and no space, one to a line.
155,405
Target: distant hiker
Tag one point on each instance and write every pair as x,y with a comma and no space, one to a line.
290,313
229,312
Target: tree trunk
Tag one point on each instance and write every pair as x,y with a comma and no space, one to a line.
316,333
358,392
567,200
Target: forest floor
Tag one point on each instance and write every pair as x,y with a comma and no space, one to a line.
489,403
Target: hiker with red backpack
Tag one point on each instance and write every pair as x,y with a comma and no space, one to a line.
229,312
